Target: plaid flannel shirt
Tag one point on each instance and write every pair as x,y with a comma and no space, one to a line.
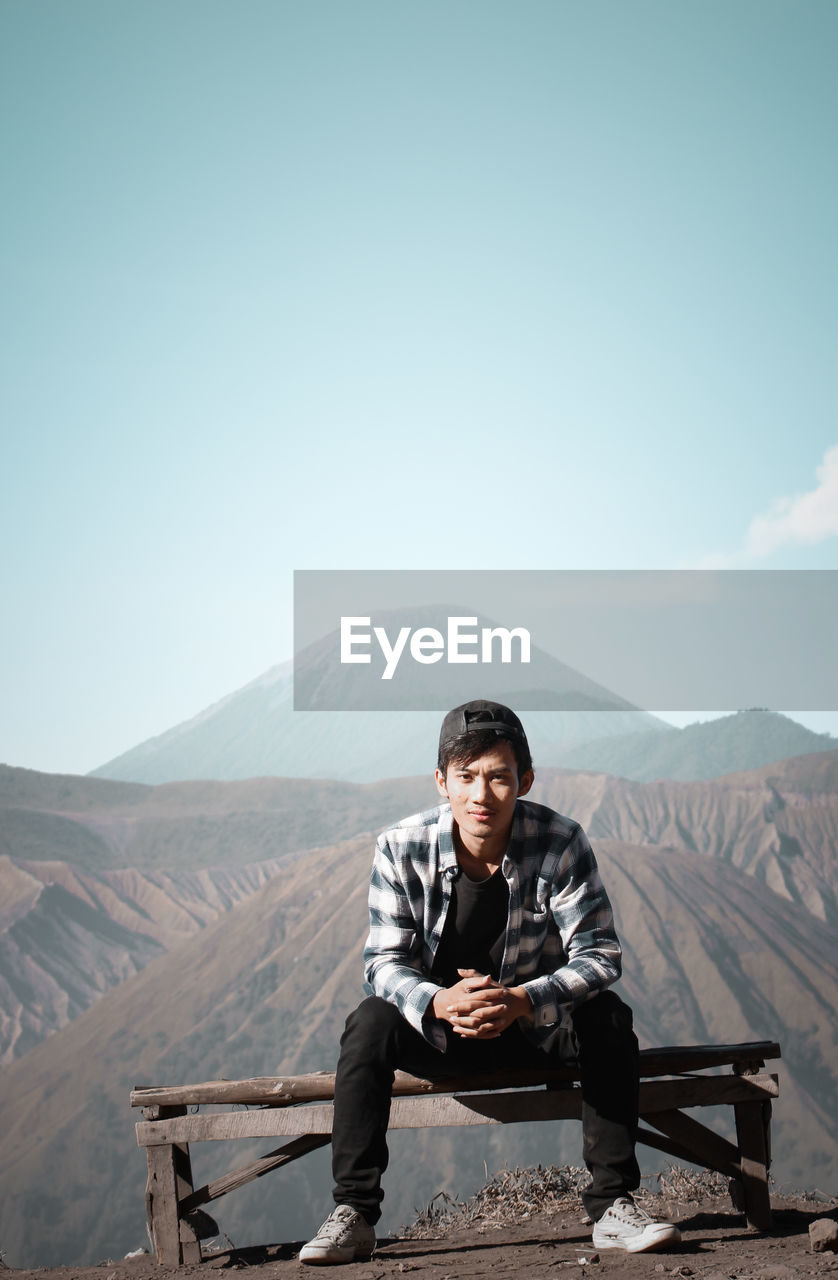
560,940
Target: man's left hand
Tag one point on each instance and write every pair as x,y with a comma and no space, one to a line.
489,1011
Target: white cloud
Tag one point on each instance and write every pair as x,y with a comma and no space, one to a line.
804,519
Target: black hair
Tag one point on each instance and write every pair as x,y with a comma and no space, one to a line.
468,746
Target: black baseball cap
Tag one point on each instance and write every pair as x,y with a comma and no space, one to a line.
471,717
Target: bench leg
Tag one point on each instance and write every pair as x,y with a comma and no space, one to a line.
752,1120
169,1182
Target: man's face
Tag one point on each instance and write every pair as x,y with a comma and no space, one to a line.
482,792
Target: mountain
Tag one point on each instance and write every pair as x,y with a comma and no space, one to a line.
256,732
67,936
97,878
778,824
708,749
98,824
712,953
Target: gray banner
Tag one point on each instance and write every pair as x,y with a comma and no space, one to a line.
681,640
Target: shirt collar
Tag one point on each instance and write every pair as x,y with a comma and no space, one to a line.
447,854
514,849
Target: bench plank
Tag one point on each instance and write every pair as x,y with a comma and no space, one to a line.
320,1086
256,1169
469,1109
649,1138
707,1147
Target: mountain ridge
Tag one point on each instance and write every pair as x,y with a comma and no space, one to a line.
170,859
256,731
703,750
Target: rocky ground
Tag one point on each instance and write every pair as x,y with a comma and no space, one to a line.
531,1221
716,1245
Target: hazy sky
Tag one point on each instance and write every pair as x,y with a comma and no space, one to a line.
383,285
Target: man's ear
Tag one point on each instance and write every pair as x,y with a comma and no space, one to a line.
526,782
439,778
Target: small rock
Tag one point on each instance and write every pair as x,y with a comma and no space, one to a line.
823,1236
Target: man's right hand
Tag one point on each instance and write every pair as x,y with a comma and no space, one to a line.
447,1003
478,1008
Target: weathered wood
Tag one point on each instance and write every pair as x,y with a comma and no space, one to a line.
497,1098
162,1207
706,1147
169,1180
256,1169
224,1125
677,1059
704,1091
750,1134
405,1113
190,1244
486,1108
466,1109
319,1086
661,1143
535,1104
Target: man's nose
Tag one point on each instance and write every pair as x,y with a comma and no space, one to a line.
481,787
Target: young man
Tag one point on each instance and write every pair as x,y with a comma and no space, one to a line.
491,945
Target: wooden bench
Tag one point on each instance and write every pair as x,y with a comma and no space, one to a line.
300,1108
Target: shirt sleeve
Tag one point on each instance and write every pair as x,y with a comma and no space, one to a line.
392,955
583,915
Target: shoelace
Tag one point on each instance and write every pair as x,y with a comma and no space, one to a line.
337,1224
630,1212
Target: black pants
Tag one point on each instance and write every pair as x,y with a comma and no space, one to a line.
377,1040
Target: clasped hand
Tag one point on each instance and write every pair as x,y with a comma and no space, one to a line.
478,1008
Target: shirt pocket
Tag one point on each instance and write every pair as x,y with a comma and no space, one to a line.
534,928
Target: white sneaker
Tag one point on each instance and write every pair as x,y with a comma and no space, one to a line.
344,1236
626,1226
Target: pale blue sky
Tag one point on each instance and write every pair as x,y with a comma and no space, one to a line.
297,285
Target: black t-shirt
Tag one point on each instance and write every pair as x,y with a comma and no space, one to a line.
475,929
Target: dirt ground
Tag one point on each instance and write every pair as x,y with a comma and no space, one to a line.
716,1245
